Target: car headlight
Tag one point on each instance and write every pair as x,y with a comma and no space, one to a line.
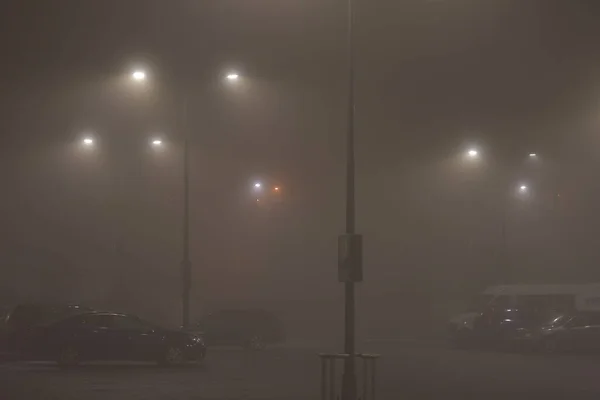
196,339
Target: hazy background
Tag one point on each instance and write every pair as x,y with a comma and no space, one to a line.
433,78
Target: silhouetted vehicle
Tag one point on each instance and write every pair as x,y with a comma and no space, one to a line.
535,330
111,336
22,319
538,301
579,332
509,329
252,329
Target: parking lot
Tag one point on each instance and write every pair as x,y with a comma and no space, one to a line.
409,369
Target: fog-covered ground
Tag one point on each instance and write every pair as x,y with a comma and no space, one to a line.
407,369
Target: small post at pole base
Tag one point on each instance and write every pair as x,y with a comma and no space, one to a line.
349,386
185,301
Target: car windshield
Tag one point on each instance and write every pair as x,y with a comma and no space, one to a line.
557,320
480,302
28,315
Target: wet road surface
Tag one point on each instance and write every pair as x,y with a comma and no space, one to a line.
406,370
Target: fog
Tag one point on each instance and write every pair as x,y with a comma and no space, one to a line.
103,227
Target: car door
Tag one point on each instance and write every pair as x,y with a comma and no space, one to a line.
578,333
118,338
87,332
141,340
593,334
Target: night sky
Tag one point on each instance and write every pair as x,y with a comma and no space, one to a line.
433,78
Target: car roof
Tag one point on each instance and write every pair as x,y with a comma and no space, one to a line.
51,306
543,289
110,313
241,311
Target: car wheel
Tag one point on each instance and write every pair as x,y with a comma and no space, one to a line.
172,356
68,357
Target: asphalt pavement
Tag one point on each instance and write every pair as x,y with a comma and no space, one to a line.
406,369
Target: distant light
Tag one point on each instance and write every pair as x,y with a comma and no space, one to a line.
233,77
157,142
276,188
88,141
532,155
473,153
257,185
523,188
138,76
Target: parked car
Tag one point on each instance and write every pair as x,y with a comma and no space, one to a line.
504,328
22,319
110,336
513,329
252,329
542,298
577,331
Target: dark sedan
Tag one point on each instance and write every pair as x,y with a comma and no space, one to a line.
111,336
504,329
577,331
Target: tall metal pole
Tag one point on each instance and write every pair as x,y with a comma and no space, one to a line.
505,267
349,375
186,265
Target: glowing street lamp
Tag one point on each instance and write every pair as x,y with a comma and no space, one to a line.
88,141
157,143
473,153
532,155
233,76
523,189
138,76
257,185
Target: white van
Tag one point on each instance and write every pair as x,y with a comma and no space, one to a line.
560,298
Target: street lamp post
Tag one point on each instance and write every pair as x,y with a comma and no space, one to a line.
140,76
504,265
349,375
186,264
506,273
